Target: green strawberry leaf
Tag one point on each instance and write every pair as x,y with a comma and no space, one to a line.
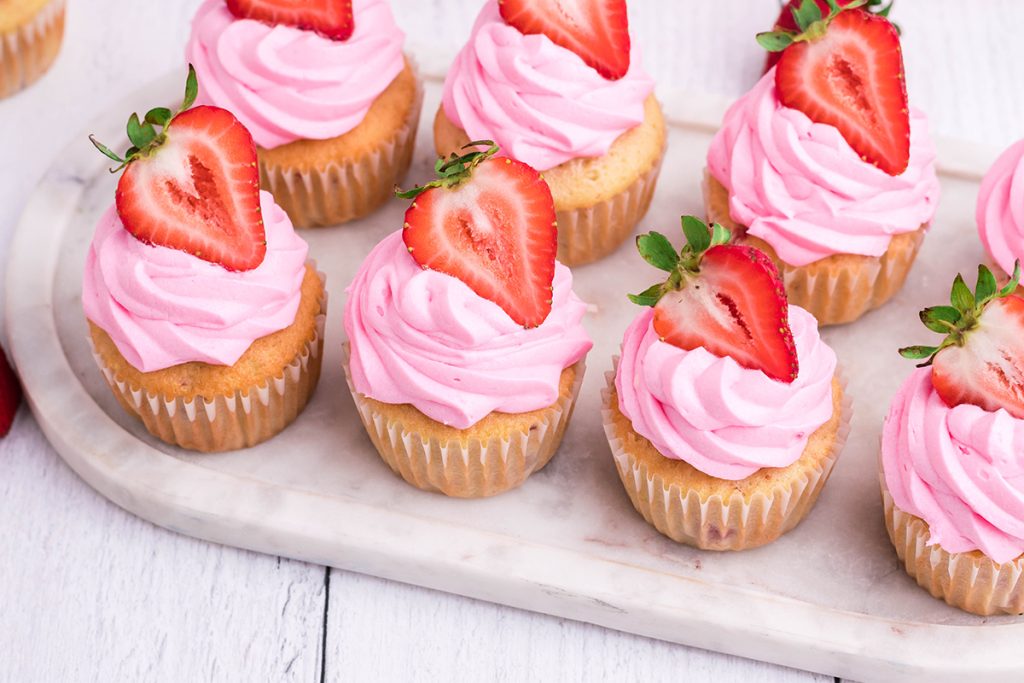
1011,286
191,89
961,296
658,251
918,352
941,319
697,235
648,297
987,288
775,41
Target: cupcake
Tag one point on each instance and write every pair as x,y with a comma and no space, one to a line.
569,98
953,452
724,414
31,32
465,345
833,176
999,211
204,313
331,101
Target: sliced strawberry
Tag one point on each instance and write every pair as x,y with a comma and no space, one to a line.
596,30
726,298
491,225
198,191
988,370
851,77
10,395
330,18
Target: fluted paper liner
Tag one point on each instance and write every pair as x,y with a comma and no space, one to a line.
228,422
467,468
29,50
717,523
345,189
837,289
592,232
970,580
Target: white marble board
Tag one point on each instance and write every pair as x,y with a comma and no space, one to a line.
829,597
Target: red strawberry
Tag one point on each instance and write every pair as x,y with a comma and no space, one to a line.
596,30
10,395
846,70
330,18
981,361
490,222
194,186
726,298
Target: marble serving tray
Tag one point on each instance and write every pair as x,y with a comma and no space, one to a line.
830,596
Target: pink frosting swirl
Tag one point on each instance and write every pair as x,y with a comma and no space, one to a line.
540,102
163,307
425,338
723,419
959,469
1000,211
800,187
287,84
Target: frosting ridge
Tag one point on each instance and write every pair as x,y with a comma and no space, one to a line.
1000,210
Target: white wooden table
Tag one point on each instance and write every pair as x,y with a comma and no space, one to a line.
89,592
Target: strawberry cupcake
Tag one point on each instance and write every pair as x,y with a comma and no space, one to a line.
31,32
204,313
330,99
724,413
825,168
466,346
953,452
1000,210
563,91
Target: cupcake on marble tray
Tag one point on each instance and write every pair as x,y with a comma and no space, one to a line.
825,167
204,313
724,413
562,89
1000,209
330,99
31,32
466,347
952,452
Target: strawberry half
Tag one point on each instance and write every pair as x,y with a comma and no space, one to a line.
330,18
10,395
490,222
846,70
981,360
596,30
787,21
726,298
194,186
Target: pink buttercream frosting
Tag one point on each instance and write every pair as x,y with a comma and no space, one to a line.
1000,210
286,83
540,102
959,469
723,419
425,338
800,187
163,307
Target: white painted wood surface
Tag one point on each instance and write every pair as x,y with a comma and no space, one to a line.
88,592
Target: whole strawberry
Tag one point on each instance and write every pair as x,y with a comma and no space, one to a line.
845,69
726,298
490,222
194,184
981,359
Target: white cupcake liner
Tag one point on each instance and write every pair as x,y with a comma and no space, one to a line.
223,423
456,463
27,52
592,232
345,189
970,581
714,522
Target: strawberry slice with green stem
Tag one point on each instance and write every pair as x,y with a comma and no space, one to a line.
330,18
845,69
490,222
194,185
596,30
981,360
726,298
786,20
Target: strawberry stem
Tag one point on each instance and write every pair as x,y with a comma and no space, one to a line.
659,252
812,25
455,169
